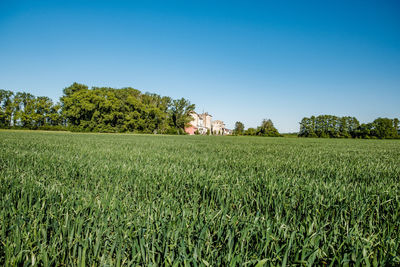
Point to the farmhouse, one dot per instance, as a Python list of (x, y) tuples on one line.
[(203, 124), (218, 127)]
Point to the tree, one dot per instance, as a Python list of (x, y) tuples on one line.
[(43, 107), (251, 132), (354, 124), (307, 127), (55, 117), (75, 87), (180, 113), (104, 109), (239, 128), (334, 127), (267, 129), (6, 108), (396, 127), (26, 109), (328, 126), (384, 128)]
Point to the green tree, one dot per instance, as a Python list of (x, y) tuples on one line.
[(251, 132), (267, 129), (105, 109), (55, 117), (26, 109), (180, 113), (384, 128), (239, 128), (328, 126), (99, 109), (42, 106), (396, 127), (6, 108), (75, 87), (307, 127)]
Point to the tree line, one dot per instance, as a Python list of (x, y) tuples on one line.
[(266, 128), (329, 126), (105, 109), (27, 111), (98, 109)]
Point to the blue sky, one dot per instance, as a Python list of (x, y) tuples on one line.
[(238, 60)]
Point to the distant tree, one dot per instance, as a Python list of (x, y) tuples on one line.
[(334, 127), (328, 126), (307, 127), (27, 109), (364, 131), (267, 129), (55, 117), (180, 113), (105, 109), (396, 127), (321, 129), (17, 102), (239, 128), (251, 132), (42, 106), (384, 128), (354, 124), (6, 108), (75, 87), (99, 109)]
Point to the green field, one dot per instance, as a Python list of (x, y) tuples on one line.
[(114, 199)]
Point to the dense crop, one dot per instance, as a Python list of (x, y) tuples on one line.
[(70, 199)]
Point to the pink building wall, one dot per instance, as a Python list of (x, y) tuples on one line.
[(190, 130)]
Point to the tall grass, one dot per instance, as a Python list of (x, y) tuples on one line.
[(107, 199)]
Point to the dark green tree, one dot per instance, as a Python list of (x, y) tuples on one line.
[(250, 132), (267, 128), (384, 128), (42, 106), (105, 109), (26, 109), (6, 108), (239, 128), (396, 127), (307, 127), (180, 113)]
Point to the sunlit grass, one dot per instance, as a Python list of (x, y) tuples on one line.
[(69, 199)]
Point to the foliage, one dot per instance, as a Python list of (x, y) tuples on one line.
[(25, 110), (180, 112), (239, 128), (251, 132), (71, 199), (266, 128), (329, 126), (5, 108), (103, 109), (99, 109)]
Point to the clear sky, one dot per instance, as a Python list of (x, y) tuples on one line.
[(238, 60)]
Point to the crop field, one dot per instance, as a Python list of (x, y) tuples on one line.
[(121, 200)]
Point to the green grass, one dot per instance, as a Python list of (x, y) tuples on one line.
[(114, 199)]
